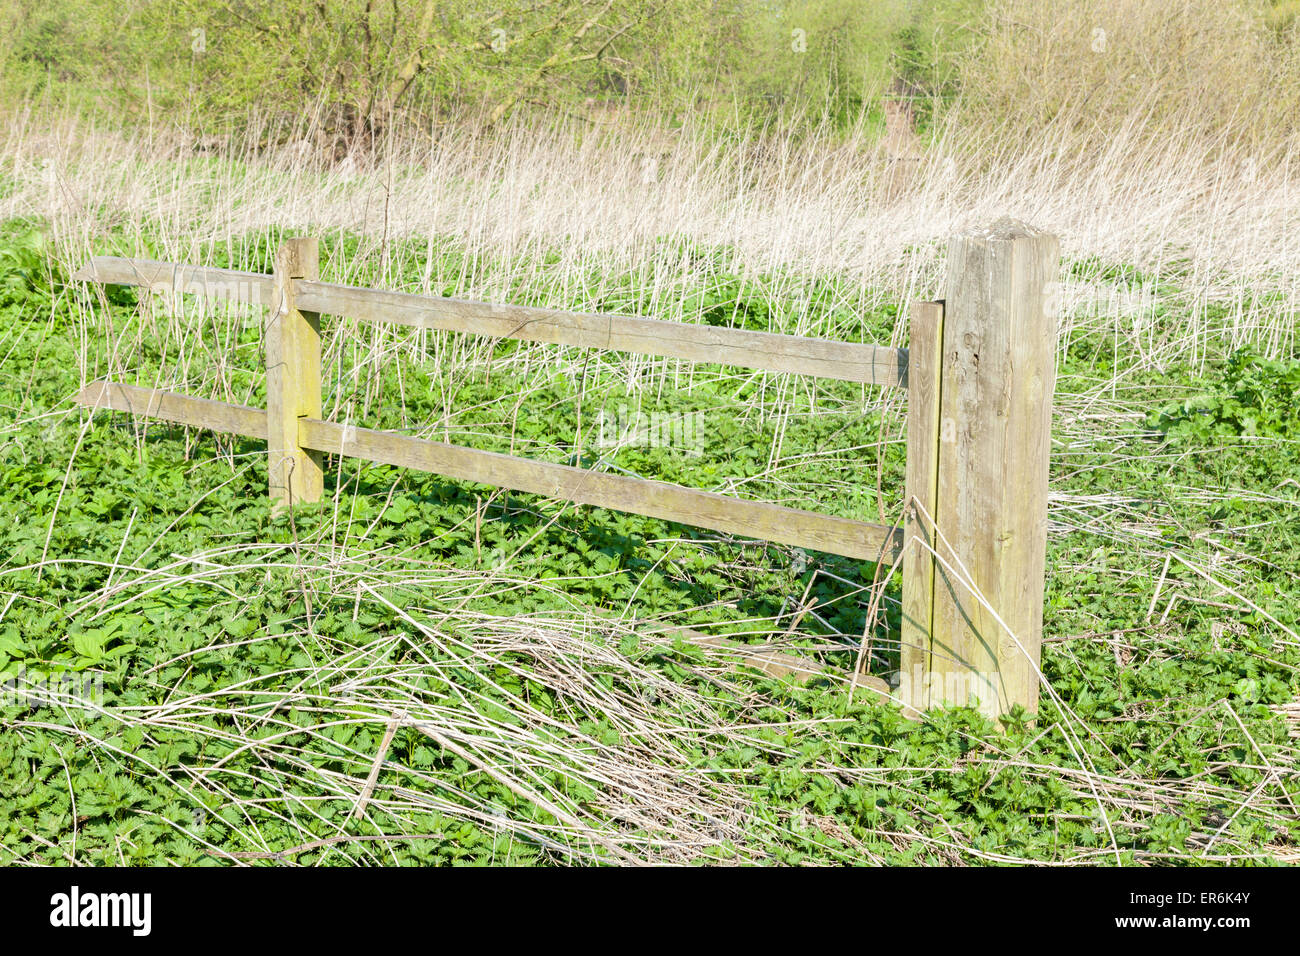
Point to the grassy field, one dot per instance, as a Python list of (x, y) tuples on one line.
[(249, 671)]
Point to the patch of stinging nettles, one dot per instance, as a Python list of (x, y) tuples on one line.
[(1251, 396), (842, 782)]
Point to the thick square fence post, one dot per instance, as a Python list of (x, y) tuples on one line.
[(992, 416)]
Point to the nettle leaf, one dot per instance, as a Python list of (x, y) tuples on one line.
[(91, 643), (239, 627), (400, 511)]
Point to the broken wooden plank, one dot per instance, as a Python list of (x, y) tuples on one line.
[(774, 661)]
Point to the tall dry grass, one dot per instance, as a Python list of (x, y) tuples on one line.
[(565, 209)]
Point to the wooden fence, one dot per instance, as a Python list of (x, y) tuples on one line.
[(979, 375)]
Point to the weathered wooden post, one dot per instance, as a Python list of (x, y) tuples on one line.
[(292, 379), (973, 616), (924, 357)]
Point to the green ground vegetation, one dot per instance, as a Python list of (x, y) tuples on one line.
[(224, 638)]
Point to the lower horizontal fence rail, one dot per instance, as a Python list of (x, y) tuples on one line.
[(172, 407), (655, 499)]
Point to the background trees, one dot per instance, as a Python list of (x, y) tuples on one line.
[(360, 62), (355, 67)]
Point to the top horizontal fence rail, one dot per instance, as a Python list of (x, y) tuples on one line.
[(765, 351)]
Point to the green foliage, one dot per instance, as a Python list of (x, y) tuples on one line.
[(354, 64), (26, 269), (153, 565), (926, 52), (1252, 397)]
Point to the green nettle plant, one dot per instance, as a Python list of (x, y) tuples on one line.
[(1253, 397), (237, 673)]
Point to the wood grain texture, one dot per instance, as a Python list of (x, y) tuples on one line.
[(766, 351), (923, 400), (171, 407), (756, 519), (252, 288), (294, 473), (998, 375), (656, 499), (825, 358)]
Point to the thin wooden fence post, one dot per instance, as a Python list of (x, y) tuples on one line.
[(923, 398), (294, 473), (997, 376)]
